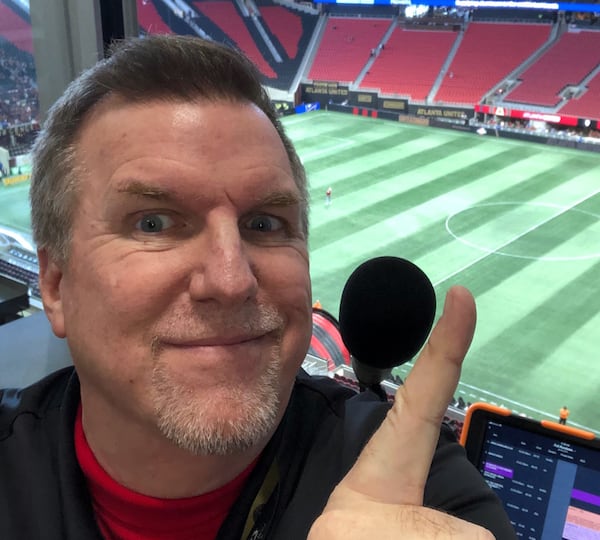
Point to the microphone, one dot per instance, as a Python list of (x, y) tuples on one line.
[(386, 313)]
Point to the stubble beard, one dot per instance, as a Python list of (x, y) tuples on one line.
[(229, 420), (205, 424)]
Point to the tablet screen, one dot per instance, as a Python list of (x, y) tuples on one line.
[(548, 481)]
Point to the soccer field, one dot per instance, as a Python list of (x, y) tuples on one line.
[(517, 223)]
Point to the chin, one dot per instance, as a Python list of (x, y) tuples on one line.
[(222, 420)]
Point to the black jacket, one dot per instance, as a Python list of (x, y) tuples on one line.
[(43, 492)]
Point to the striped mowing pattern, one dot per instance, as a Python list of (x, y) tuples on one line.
[(517, 223)]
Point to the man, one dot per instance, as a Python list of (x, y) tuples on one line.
[(170, 213), (563, 415)]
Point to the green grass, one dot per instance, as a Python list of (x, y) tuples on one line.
[(517, 223)]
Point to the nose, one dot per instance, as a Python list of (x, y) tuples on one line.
[(223, 271)]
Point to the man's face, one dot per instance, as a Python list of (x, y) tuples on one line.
[(186, 298)]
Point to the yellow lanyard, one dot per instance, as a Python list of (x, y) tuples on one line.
[(266, 489)]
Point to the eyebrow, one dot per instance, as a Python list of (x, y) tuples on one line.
[(141, 189), (280, 198)]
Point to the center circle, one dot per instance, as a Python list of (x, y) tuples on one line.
[(528, 230)]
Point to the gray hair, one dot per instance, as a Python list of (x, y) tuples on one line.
[(176, 68)]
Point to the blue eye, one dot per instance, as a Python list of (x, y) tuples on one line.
[(154, 223), (265, 224)]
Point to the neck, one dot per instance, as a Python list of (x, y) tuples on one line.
[(140, 458)]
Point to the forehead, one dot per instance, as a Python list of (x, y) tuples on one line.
[(211, 119), (179, 140)]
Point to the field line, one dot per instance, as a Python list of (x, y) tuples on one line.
[(501, 400), (510, 241)]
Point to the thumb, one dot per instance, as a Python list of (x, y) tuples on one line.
[(394, 465)]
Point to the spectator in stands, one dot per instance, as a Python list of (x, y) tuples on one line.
[(18, 89), (170, 213)]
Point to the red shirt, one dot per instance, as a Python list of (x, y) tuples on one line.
[(127, 515)]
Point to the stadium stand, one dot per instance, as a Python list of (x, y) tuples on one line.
[(378, 11), (150, 20), (225, 15), (487, 54), (443, 57), (588, 102), (455, 60), (574, 56), (19, 104), (410, 62), (285, 25), (326, 342), (15, 28), (346, 47), (18, 139), (290, 31), (513, 15)]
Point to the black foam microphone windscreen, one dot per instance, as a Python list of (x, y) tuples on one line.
[(386, 312)]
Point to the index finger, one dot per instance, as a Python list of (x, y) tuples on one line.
[(394, 465)]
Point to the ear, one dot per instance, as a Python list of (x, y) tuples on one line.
[(51, 274)]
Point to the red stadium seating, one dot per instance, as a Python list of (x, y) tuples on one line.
[(487, 54), (14, 29), (588, 105), (345, 48), (410, 62), (226, 17), (285, 25), (150, 20), (567, 62), (326, 341)]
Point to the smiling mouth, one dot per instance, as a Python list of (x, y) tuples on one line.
[(216, 341)]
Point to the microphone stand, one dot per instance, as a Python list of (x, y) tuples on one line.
[(369, 378)]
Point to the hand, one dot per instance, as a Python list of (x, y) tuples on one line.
[(381, 497)]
